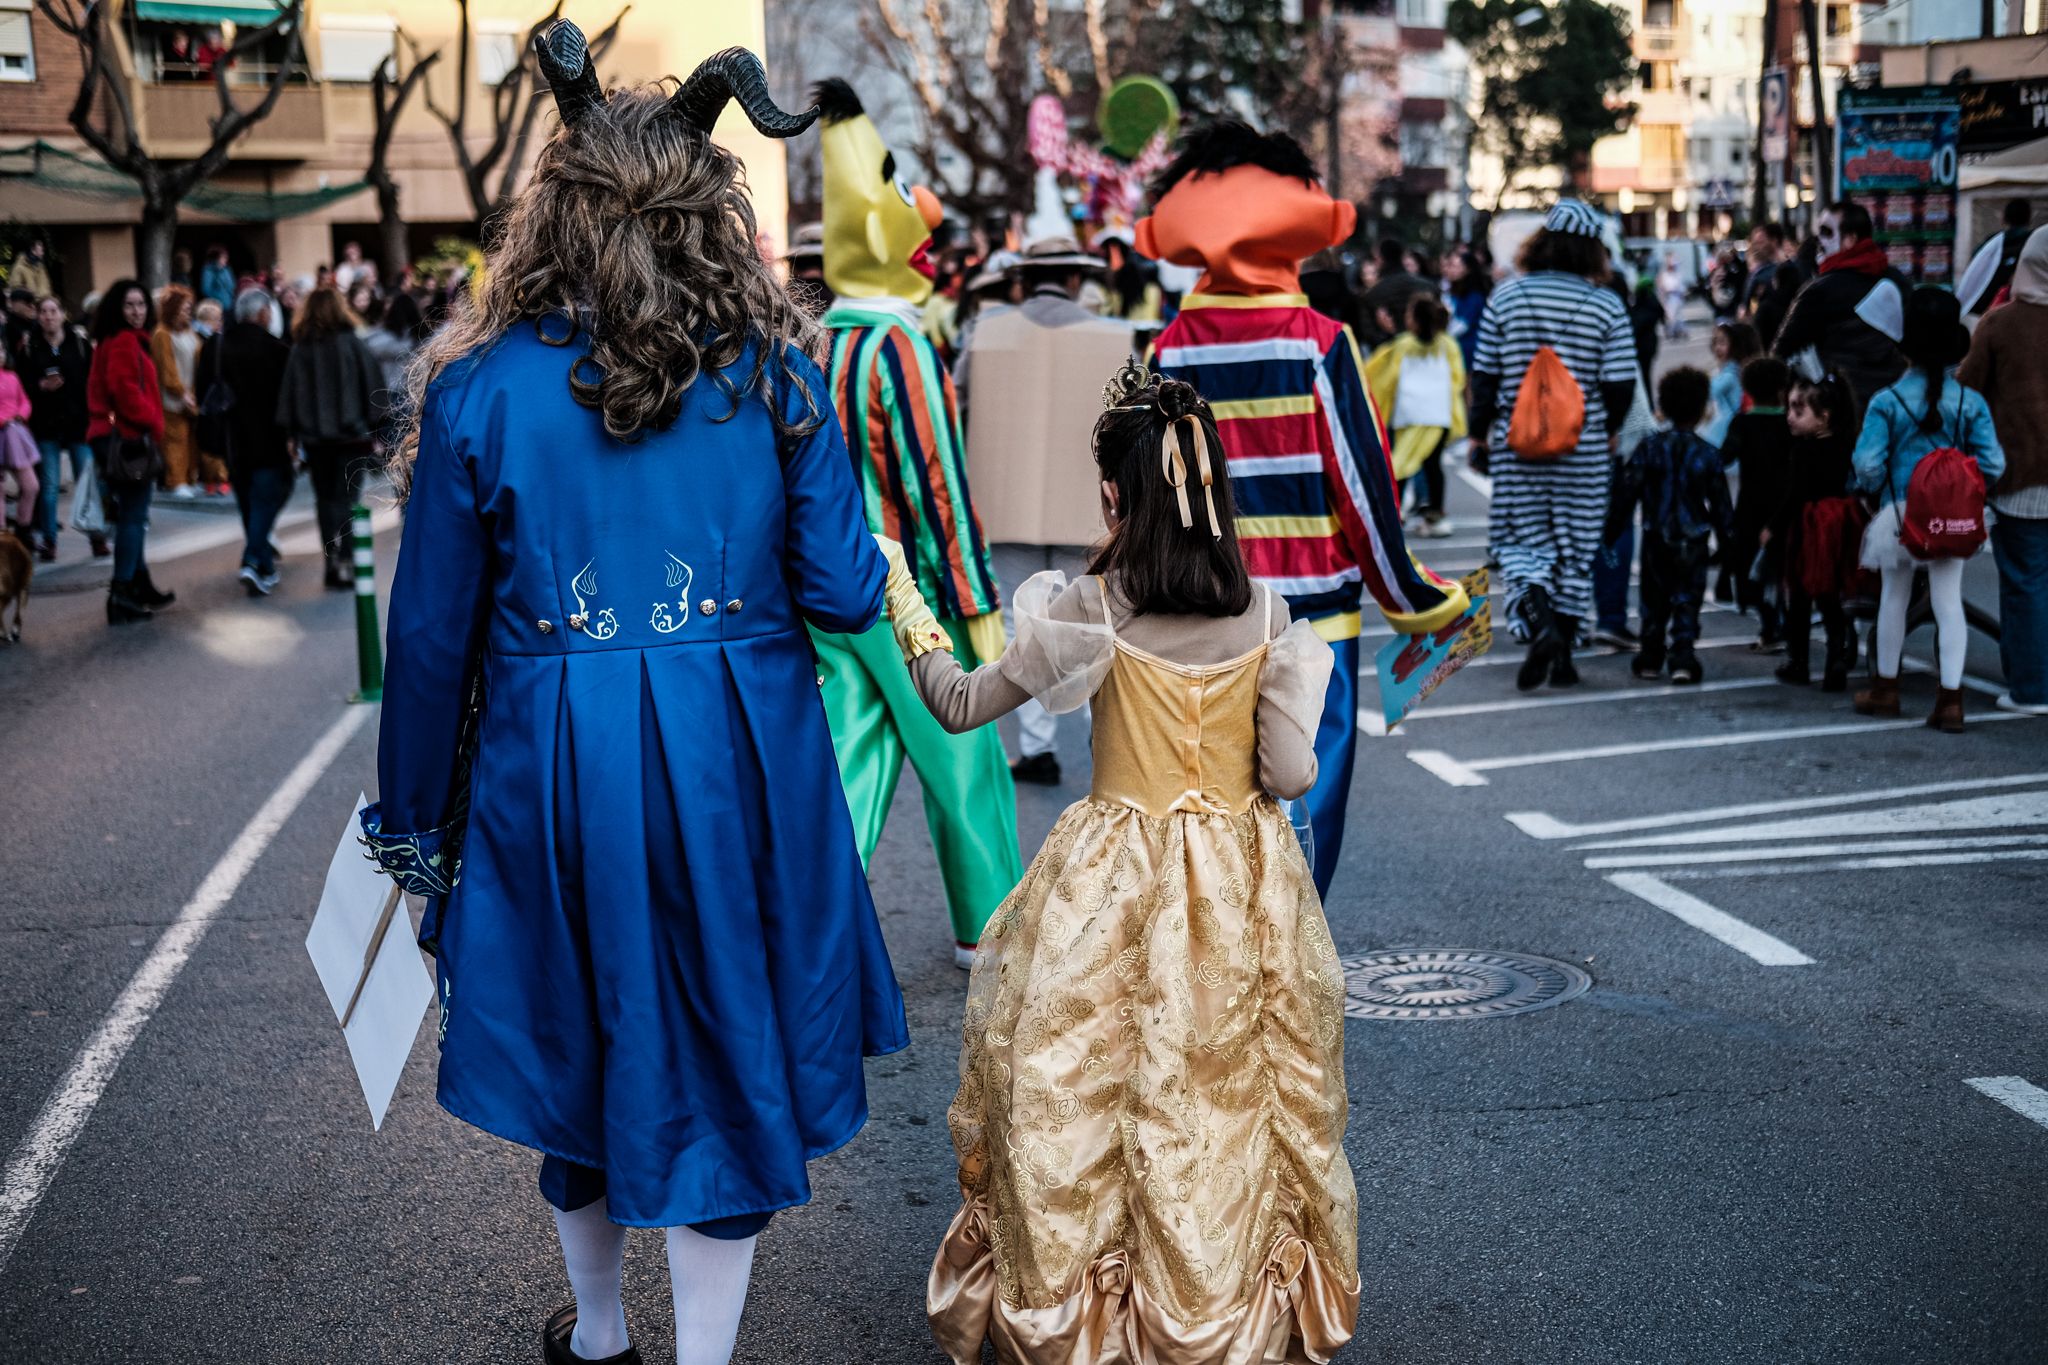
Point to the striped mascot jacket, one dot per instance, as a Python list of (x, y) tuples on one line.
[(896, 403), (1318, 510)]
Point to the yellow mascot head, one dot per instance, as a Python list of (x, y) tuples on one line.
[(878, 230)]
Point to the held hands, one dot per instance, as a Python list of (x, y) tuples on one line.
[(917, 630)]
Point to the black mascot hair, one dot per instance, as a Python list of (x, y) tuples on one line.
[(835, 100), (1227, 142)]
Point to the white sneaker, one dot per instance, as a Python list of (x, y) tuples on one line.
[(249, 579), (963, 956), (1440, 529), (267, 584), (2006, 702), (185, 492)]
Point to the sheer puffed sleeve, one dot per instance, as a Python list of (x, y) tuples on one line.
[(1292, 684), (1060, 656), (1064, 641)]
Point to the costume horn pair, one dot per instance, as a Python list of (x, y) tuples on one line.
[(565, 63)]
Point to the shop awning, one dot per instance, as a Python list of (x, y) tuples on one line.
[(85, 176), (244, 13)]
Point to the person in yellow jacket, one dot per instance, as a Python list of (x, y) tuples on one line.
[(1418, 380)]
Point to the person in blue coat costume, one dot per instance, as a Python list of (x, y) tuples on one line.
[(603, 751)]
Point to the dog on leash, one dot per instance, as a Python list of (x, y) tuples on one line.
[(17, 569)]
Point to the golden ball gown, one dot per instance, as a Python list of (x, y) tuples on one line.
[(1151, 1109)]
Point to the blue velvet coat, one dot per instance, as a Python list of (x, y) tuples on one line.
[(659, 956)]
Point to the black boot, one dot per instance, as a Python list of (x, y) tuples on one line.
[(147, 593), (1797, 668), (122, 606), (1536, 614), (1563, 672), (1841, 659), (555, 1348)]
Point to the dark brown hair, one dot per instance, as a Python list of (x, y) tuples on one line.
[(1159, 565), (107, 319), (325, 313), (1574, 253), (1426, 317)]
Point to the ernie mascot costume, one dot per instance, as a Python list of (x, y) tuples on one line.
[(902, 424), (1319, 512)]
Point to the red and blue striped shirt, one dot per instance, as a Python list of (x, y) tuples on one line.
[(1318, 509)]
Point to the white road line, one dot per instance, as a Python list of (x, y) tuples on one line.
[(35, 1162), (1743, 938), (1970, 680), (1474, 479), (2008, 811), (1494, 658), (1540, 825), (1373, 722), (1878, 864), (1487, 765), (2026, 1100), (1703, 858), (1446, 767)]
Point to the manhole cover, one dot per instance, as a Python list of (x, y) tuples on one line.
[(1455, 983)]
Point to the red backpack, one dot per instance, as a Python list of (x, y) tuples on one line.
[(1944, 513)]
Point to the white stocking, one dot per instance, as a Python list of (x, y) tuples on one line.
[(594, 1252), (1891, 619), (1952, 634), (709, 1280)]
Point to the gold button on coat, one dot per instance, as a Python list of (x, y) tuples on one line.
[(732, 606), (545, 627), (707, 608)]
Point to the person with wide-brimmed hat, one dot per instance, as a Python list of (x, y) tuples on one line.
[(1923, 411), (1047, 511)]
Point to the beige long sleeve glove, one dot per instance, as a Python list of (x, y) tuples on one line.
[(917, 630)]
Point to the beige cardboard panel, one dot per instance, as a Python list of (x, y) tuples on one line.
[(1037, 393)]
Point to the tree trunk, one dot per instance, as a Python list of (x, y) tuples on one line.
[(1823, 180), (155, 239), (395, 248)]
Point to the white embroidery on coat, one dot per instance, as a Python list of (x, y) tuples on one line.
[(679, 575), (600, 627)]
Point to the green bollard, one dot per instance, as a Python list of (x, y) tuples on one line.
[(369, 651)]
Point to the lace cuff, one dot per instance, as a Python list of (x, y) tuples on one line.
[(427, 864), (1061, 663), (1296, 676)]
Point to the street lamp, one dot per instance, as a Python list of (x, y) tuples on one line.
[(1626, 200)]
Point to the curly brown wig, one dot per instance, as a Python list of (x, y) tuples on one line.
[(638, 226)]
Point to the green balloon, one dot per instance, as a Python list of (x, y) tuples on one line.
[(1134, 111)]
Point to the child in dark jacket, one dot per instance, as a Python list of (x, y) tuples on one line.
[(1758, 444), (1675, 476), (1819, 528)]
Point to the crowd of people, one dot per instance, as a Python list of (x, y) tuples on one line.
[(215, 385)]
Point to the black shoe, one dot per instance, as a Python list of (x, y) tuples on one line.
[(1563, 672), (122, 607), (1648, 664), (1841, 662), (1041, 769), (1617, 638), (1685, 666), (100, 548), (554, 1343), (1794, 672), (1543, 640), (46, 549), (147, 592)]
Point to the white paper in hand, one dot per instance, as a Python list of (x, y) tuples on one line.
[(381, 990)]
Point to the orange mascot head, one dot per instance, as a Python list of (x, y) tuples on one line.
[(1246, 207)]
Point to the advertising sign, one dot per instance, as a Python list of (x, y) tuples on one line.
[(1896, 152), (2001, 114), (1777, 115)]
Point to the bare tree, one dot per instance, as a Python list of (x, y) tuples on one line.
[(103, 116), (388, 97), (974, 66), (515, 108)]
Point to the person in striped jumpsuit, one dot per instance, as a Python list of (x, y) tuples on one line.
[(896, 402), (1546, 517), (1319, 512)]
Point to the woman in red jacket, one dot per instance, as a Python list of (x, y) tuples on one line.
[(124, 404)]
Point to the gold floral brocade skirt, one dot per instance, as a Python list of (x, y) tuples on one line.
[(1151, 1111)]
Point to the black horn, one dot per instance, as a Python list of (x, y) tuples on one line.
[(564, 56), (736, 74)]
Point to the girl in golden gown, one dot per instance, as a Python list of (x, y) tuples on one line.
[(1151, 1110)]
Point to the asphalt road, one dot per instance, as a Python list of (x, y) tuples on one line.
[(1703, 1159)]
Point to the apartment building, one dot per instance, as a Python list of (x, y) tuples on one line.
[(1425, 104), (287, 193)]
